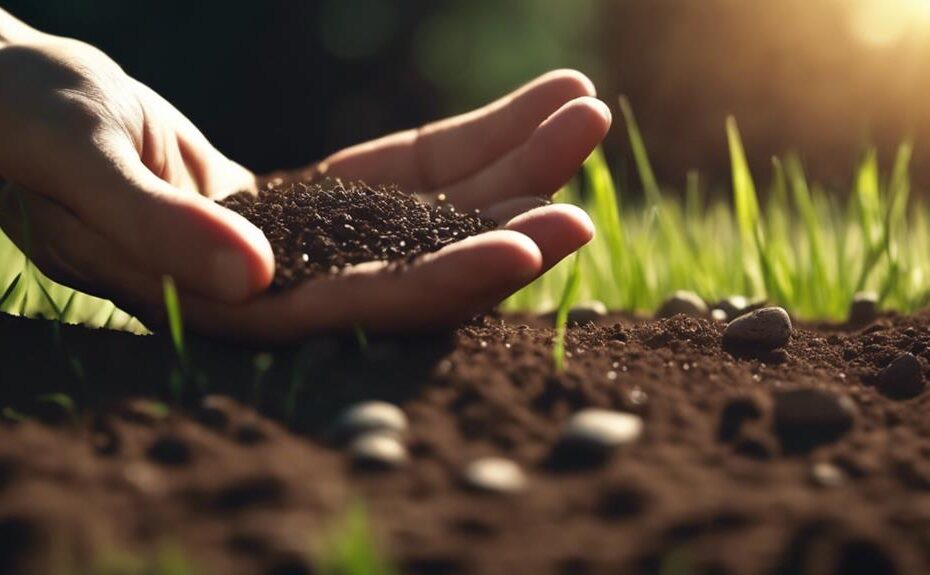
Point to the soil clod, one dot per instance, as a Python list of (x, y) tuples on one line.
[(903, 378), (807, 418)]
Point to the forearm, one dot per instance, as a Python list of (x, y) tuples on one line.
[(14, 31)]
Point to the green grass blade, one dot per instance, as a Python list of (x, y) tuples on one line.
[(8, 292), (175, 321), (569, 295), (640, 154)]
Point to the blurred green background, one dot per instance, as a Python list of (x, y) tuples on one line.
[(280, 83)]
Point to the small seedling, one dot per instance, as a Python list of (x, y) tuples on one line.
[(349, 547), (63, 401), (569, 295), (180, 376), (261, 363), (361, 338)]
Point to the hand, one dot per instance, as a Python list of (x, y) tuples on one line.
[(110, 187), (500, 159)]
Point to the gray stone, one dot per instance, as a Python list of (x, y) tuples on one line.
[(370, 416), (588, 311), (767, 328), (903, 378), (377, 450), (495, 475), (732, 306), (602, 428), (827, 475), (864, 308), (683, 302)]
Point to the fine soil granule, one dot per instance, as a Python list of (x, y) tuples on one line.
[(321, 227)]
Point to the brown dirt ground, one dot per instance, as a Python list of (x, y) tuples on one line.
[(244, 486)]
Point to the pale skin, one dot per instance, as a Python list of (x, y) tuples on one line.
[(118, 190)]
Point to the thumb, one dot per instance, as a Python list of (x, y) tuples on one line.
[(209, 250)]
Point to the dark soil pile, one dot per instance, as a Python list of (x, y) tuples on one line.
[(320, 227), (795, 461)]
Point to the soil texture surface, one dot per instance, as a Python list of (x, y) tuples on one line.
[(318, 227), (800, 460)]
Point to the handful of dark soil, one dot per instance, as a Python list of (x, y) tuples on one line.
[(318, 228)]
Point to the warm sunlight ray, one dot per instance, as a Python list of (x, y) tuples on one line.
[(881, 22)]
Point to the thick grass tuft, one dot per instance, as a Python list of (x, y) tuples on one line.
[(794, 243)]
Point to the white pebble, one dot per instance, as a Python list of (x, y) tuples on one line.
[(495, 475), (602, 428), (378, 450), (371, 416)]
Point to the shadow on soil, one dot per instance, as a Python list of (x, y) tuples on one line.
[(304, 386)]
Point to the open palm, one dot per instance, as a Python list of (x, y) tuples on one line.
[(500, 159), (109, 188)]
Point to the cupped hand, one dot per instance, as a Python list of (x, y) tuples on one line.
[(110, 188)]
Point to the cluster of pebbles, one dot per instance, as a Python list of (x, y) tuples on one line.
[(801, 419), (863, 309), (373, 432)]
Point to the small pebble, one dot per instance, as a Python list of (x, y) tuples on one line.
[(864, 308), (768, 328), (806, 418), (371, 416), (903, 378), (602, 428), (495, 475), (827, 475), (719, 315), (732, 306), (585, 312), (377, 450), (683, 302)]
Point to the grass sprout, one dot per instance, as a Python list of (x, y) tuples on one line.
[(348, 548), (790, 241), (569, 295)]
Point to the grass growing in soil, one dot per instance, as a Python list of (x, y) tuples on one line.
[(798, 245)]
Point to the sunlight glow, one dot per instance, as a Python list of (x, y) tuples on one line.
[(882, 22)]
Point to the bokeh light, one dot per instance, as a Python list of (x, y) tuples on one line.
[(883, 22)]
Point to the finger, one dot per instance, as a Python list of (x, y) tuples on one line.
[(208, 249), (444, 152), (505, 211), (558, 230), (69, 252), (542, 164), (438, 290)]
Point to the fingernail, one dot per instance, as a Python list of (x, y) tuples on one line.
[(230, 276)]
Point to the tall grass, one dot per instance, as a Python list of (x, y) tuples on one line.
[(795, 243), (790, 241)]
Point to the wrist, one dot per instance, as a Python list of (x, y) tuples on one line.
[(13, 31)]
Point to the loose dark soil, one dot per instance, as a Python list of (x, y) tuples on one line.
[(322, 226), (812, 459), (724, 480)]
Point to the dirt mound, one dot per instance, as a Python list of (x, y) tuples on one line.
[(320, 227)]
